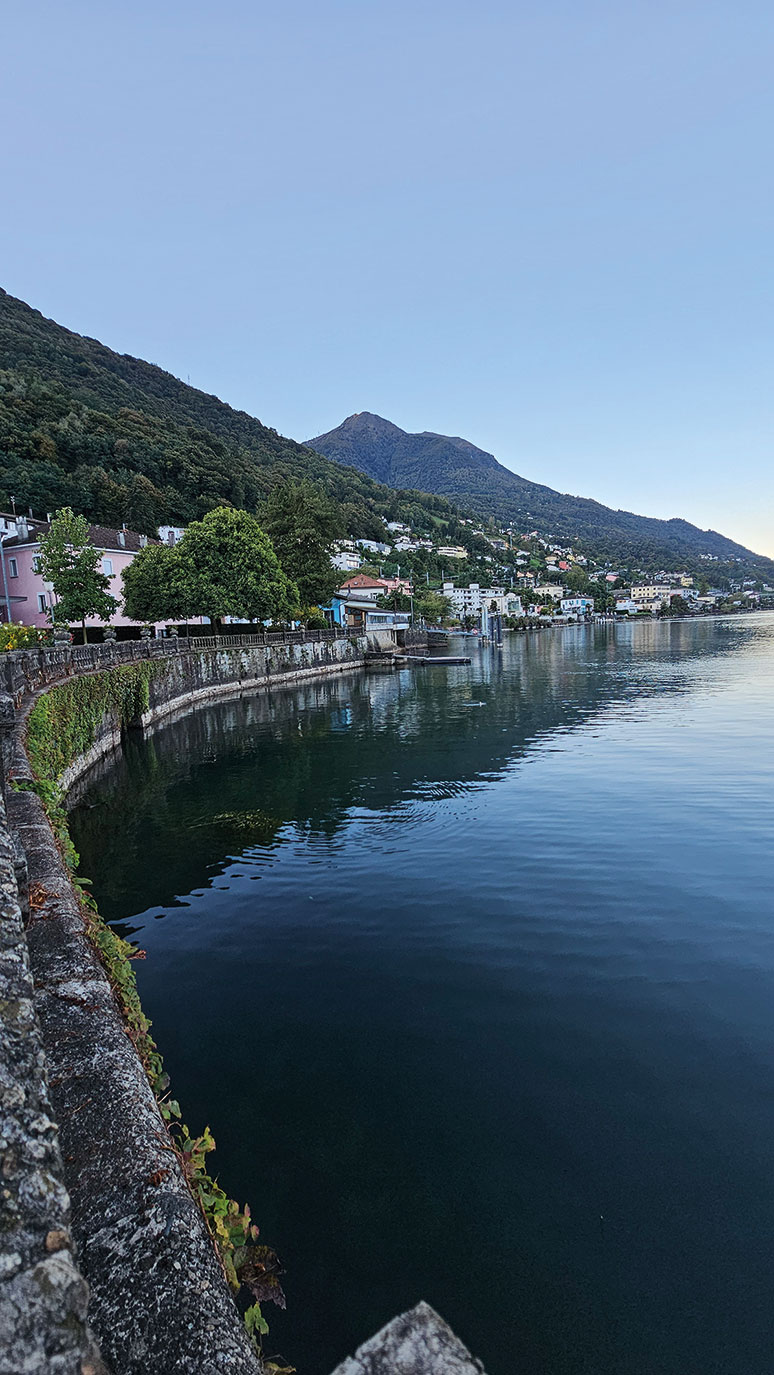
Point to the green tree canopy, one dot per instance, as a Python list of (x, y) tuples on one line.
[(302, 523), (154, 587), (577, 580), (394, 601), (431, 606), (71, 564), (228, 567)]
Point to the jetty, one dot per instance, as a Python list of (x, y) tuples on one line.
[(436, 659)]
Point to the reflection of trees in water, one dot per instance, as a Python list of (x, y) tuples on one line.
[(238, 778)]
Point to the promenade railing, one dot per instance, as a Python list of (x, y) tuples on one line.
[(27, 670)]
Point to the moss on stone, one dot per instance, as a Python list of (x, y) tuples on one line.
[(62, 726)]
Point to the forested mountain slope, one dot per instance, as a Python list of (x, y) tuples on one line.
[(123, 441), (473, 478)]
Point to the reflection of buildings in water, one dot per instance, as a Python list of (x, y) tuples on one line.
[(306, 754)]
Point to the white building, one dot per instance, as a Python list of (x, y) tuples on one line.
[(577, 606), (171, 534), (549, 591), (469, 601), (346, 561), (373, 546)]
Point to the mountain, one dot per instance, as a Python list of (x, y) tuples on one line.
[(455, 468), (123, 441)]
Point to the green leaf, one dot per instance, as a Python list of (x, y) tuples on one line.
[(255, 1321)]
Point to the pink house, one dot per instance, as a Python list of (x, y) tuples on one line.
[(26, 598)]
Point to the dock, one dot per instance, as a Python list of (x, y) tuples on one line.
[(437, 659)]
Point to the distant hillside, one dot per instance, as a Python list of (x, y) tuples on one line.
[(124, 441), (457, 469)]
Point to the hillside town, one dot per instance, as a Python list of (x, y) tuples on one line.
[(523, 579), (407, 578)]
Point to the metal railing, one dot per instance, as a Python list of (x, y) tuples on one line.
[(27, 670)]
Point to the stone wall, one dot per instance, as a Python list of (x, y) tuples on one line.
[(185, 679), (159, 1302), (43, 1296)]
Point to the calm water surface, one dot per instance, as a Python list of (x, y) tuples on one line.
[(471, 971)]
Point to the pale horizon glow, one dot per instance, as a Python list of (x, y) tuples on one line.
[(544, 229)]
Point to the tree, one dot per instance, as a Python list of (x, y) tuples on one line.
[(394, 601), (302, 524), (70, 563), (604, 598), (676, 606), (228, 567), (577, 580), (431, 606), (154, 586), (145, 505)]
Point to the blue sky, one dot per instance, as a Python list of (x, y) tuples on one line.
[(546, 227)]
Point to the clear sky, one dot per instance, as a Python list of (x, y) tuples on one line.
[(547, 227)]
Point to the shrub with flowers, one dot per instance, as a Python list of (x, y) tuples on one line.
[(16, 636)]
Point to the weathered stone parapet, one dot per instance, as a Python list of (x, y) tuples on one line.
[(43, 1295), (27, 670), (182, 679), (159, 1301), (415, 1343)]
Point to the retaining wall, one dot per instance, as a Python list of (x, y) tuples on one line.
[(43, 1296)]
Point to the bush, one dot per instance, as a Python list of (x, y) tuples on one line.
[(315, 619), (16, 636)]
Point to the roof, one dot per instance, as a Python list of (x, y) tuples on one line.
[(101, 536), (363, 580)]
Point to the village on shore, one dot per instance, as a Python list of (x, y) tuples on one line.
[(532, 581), (408, 578)]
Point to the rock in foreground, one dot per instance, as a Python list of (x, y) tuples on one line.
[(415, 1343)]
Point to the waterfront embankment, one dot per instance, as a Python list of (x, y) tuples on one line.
[(105, 1248)]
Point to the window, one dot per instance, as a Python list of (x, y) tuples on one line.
[(36, 564), (107, 567), (42, 602), (13, 568)]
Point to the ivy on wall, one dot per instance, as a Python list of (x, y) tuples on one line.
[(64, 724), (66, 721)]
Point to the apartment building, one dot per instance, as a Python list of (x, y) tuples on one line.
[(24, 595), (470, 601), (549, 592), (650, 596), (577, 606)]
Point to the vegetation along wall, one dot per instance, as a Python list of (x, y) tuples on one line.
[(158, 1240)]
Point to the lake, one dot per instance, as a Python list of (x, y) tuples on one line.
[(471, 972)]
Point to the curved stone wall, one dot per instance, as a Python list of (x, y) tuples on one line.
[(128, 1249), (159, 1302)]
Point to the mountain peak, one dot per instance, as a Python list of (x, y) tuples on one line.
[(453, 467), (368, 420)]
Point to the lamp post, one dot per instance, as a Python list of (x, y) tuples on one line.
[(5, 579)]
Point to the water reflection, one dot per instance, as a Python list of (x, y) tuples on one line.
[(477, 999), (303, 758)]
